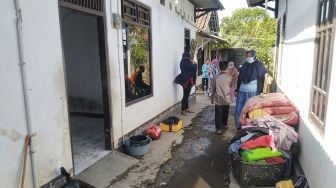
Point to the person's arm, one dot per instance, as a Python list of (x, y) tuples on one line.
[(213, 88), (260, 82), (238, 84)]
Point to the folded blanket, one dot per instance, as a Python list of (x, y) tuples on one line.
[(283, 135), (272, 104), (261, 141), (258, 154), (289, 119), (254, 114)]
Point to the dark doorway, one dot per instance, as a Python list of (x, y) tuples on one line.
[(84, 50), (200, 60)]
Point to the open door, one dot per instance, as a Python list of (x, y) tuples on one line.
[(84, 51)]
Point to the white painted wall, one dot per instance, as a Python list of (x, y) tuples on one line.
[(46, 84), (12, 116), (45, 80), (183, 8), (167, 48), (46, 93), (318, 155), (82, 61)]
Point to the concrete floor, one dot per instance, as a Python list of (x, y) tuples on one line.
[(202, 160), (88, 142), (194, 158)]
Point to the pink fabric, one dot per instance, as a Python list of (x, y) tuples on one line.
[(261, 141), (274, 104), (282, 134), (215, 62), (289, 119)]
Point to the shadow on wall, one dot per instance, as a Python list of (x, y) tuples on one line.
[(315, 156), (176, 71)]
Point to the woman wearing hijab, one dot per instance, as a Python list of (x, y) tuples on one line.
[(233, 72), (213, 70), (250, 82), (187, 79)]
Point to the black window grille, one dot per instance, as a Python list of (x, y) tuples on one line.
[(135, 12), (90, 6)]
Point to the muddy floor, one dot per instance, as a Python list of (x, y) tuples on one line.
[(202, 159)]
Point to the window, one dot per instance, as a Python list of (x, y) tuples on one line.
[(163, 2), (136, 34), (323, 60), (186, 40)]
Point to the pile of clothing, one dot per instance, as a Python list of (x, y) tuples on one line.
[(274, 104), (266, 140)]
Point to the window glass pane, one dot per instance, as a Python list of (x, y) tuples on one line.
[(314, 102), (324, 106), (137, 62), (321, 12), (327, 12)]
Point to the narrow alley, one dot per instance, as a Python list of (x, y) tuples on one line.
[(202, 160), (88, 86), (194, 157)]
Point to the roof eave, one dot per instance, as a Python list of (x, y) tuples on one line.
[(209, 35)]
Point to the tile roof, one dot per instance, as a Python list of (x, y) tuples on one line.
[(203, 21)]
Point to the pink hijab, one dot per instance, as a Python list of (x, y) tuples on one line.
[(215, 62)]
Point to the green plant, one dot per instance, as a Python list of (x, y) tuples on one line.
[(251, 28)]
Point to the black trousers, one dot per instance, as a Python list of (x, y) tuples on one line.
[(221, 116), (205, 83), (186, 93)]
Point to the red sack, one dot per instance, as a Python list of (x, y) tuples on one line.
[(154, 132)]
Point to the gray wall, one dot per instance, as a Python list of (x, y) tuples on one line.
[(82, 62)]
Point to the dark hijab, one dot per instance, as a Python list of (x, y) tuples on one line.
[(188, 69), (252, 71)]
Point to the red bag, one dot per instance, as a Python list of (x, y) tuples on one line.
[(154, 132)]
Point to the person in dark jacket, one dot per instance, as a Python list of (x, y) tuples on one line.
[(139, 81), (250, 82), (187, 79)]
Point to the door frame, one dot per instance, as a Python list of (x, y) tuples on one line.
[(104, 68)]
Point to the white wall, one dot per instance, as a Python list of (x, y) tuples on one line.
[(82, 61), (46, 93), (183, 8), (12, 116), (318, 155), (46, 84), (167, 48)]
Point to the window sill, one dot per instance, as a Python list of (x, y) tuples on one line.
[(138, 100)]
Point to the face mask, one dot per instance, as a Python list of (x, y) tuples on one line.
[(250, 59), (230, 66)]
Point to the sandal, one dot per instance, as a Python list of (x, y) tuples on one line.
[(189, 111), (219, 132)]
